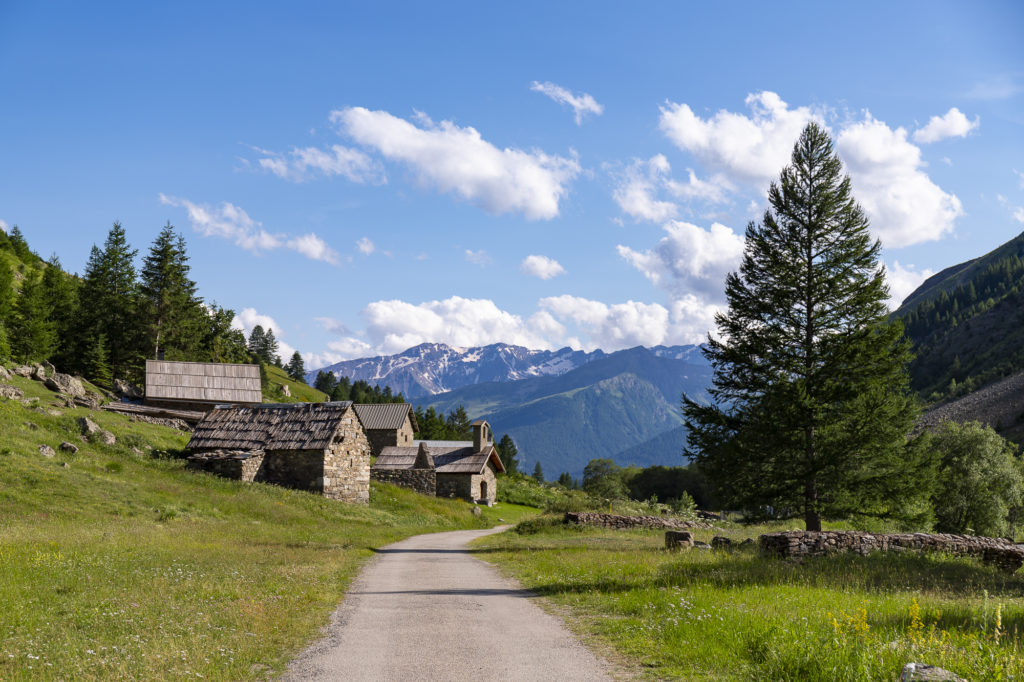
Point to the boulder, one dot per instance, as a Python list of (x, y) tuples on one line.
[(922, 672), (65, 383), (46, 451), (285, 391), (4, 374), (29, 402), (88, 426), (477, 511), (106, 437), (88, 400), (128, 390), (23, 371), (678, 539), (39, 372), (721, 542), (70, 448), (53, 412), (11, 392)]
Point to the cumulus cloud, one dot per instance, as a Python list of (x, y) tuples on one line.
[(542, 266), (952, 124), (904, 205), (1018, 214), (642, 181), (902, 281), (4, 226), (365, 246), (633, 323), (582, 104), (753, 148), (689, 259), (458, 160), (478, 257), (232, 222), (248, 318), (301, 164)]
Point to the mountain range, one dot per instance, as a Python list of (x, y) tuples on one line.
[(562, 408)]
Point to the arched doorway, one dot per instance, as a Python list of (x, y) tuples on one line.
[(483, 491)]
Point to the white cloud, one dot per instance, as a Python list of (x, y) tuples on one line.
[(952, 124), (460, 161), (248, 318), (904, 205), (393, 326), (4, 226), (582, 104), (1020, 176), (1018, 214), (753, 149), (640, 183), (542, 266), (689, 260), (946, 160), (365, 246), (620, 325), (300, 164), (903, 280), (478, 257), (231, 222)]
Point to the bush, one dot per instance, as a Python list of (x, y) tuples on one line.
[(980, 480)]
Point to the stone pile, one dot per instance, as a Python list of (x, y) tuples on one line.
[(796, 544), (619, 522)]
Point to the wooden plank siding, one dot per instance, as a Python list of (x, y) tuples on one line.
[(203, 382)]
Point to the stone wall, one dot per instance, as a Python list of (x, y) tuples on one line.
[(300, 469), (624, 522), (455, 485), (382, 438), (489, 478), (346, 466), (795, 544), (421, 480), (239, 465)]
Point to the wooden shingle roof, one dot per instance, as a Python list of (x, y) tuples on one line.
[(287, 426), (206, 382), (448, 457), (385, 415)]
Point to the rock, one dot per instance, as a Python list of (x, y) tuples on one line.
[(32, 425), (747, 542), (126, 389), (54, 413), (39, 372), (29, 402), (68, 447), (88, 400), (23, 371), (4, 374), (87, 425), (285, 391), (721, 542), (922, 672), (11, 392), (701, 545), (477, 511), (106, 437), (46, 451), (65, 383), (678, 539)]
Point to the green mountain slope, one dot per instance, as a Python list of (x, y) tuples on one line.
[(624, 406), (967, 324)]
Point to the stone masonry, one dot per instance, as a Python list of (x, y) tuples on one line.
[(796, 544), (239, 465), (421, 480), (625, 522)]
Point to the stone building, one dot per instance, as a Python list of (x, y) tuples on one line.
[(466, 469), (319, 447), (387, 424), (201, 385)]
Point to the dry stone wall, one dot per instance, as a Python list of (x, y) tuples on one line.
[(346, 463), (625, 522), (796, 544), (421, 480), (239, 465)]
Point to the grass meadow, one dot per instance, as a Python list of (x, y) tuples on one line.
[(116, 563), (720, 615)]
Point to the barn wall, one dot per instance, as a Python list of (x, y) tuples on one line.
[(346, 468), (455, 485), (382, 438), (421, 480)]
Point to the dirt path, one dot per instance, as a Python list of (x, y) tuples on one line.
[(426, 609)]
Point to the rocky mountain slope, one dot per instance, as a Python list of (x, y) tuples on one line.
[(999, 405)]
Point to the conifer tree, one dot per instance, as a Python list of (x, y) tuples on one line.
[(811, 402), (507, 451), (35, 333), (5, 343), (258, 342), (96, 363), (325, 382), (269, 354), (296, 368), (538, 472), (6, 291), (172, 311), (60, 291)]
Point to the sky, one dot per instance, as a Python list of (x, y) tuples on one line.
[(364, 177)]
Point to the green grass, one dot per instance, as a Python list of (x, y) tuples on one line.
[(300, 391), (123, 565), (716, 615)]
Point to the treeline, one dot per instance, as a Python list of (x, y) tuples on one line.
[(105, 323), (358, 391)]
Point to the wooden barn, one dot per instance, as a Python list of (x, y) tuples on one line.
[(319, 447), (201, 385), (466, 469), (387, 424)]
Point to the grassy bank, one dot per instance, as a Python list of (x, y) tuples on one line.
[(121, 565), (701, 614)]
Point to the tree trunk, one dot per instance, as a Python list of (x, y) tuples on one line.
[(812, 519)]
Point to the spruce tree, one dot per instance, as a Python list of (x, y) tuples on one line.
[(34, 335), (811, 404), (507, 451), (5, 343), (6, 291), (258, 342), (60, 291), (538, 472), (172, 312), (296, 368), (325, 382), (269, 354), (458, 424), (96, 362)]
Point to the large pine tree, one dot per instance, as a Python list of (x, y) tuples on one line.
[(172, 311), (34, 336), (811, 402)]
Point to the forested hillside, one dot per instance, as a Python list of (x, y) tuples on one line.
[(104, 323), (967, 324)]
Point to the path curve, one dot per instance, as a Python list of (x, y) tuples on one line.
[(426, 609)]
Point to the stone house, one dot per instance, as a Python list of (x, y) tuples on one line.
[(201, 385), (319, 447), (466, 469), (387, 424)]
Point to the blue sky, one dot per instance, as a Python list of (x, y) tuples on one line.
[(364, 178)]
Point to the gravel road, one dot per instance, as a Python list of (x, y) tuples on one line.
[(426, 609)]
